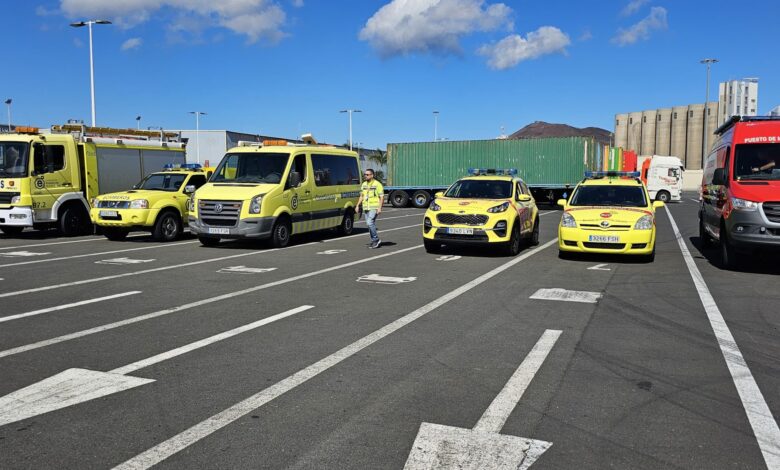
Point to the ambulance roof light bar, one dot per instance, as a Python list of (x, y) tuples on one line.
[(611, 174), (182, 166), (493, 171)]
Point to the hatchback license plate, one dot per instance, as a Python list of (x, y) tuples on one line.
[(604, 239), (460, 231), (109, 213), (219, 231)]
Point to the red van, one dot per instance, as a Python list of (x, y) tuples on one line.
[(740, 203)]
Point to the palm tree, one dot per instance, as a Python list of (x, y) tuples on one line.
[(380, 158)]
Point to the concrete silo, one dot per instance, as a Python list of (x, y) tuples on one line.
[(695, 140), (679, 132), (647, 146), (634, 140), (712, 124), (621, 130), (663, 132)]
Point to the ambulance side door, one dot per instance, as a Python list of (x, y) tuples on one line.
[(300, 195), (525, 208), (51, 178)]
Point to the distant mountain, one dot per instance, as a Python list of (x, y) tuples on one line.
[(546, 129)]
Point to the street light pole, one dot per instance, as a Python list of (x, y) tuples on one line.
[(435, 126), (197, 114), (8, 103), (91, 60), (138, 122), (705, 149), (350, 111)]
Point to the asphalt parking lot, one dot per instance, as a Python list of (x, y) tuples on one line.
[(327, 354)]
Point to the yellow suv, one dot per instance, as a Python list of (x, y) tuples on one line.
[(491, 207), (608, 213), (158, 204)]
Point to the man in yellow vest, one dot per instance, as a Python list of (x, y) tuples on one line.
[(372, 195)]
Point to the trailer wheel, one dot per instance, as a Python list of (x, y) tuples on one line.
[(421, 199), (73, 221), (663, 196), (399, 198)]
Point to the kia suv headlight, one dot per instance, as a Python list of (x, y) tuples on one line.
[(434, 207), (499, 208), (644, 223), (255, 203), (568, 221), (743, 204), (139, 204)]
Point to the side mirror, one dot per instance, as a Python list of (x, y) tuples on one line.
[(562, 202), (189, 189), (658, 204), (524, 198), (439, 194), (719, 177), (295, 179)]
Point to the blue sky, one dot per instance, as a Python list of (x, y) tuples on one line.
[(283, 67)]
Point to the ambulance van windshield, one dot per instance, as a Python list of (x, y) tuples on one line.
[(253, 167), (757, 162)]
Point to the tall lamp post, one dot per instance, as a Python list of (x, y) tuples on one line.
[(8, 104), (705, 149), (197, 114), (350, 111), (435, 126), (91, 60), (138, 122)]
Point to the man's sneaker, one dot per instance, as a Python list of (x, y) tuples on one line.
[(378, 242)]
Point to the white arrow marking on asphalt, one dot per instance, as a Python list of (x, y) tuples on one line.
[(483, 448), (22, 254), (245, 270), (124, 261), (63, 307), (331, 252), (75, 386), (379, 279), (564, 295), (448, 258), (600, 267)]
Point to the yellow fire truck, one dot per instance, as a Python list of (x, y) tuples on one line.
[(47, 180)]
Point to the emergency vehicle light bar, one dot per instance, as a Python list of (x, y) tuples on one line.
[(611, 174), (493, 171)]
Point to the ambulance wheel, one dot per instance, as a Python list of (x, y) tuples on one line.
[(115, 234), (728, 255), (512, 248), (280, 235), (73, 221), (11, 230), (347, 223), (421, 199), (208, 241), (399, 198), (565, 255), (663, 196), (533, 240), (431, 246), (167, 228), (705, 239)]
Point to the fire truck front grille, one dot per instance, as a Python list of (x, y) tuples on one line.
[(5, 198), (220, 213)]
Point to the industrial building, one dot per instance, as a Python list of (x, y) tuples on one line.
[(737, 98)]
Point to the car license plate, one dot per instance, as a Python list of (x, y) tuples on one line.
[(109, 214), (219, 231), (460, 231), (603, 238)]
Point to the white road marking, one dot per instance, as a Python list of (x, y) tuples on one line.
[(21, 254), (564, 295), (760, 416), (74, 386), (448, 258), (199, 303), (121, 261), (696, 201), (218, 421), (331, 252), (244, 270), (443, 447), (379, 279), (182, 265), (34, 245), (87, 255), (600, 267), (380, 218), (66, 306)]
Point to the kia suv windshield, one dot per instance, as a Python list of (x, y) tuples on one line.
[(14, 157), (251, 168), (627, 196), (162, 182), (481, 189), (757, 162)]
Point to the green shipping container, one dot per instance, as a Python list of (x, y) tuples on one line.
[(544, 162)]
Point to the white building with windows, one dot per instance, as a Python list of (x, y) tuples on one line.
[(775, 111), (737, 98)]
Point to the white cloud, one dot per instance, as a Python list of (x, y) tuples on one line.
[(78, 42), (656, 20), (132, 43), (297, 3), (633, 7), (514, 49), (431, 26), (586, 36), (255, 19)]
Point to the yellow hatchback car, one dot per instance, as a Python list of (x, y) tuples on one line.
[(159, 204), (493, 208), (608, 213)]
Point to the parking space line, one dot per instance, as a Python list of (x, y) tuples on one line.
[(218, 421), (87, 255), (760, 416), (33, 245), (66, 306), (182, 265), (199, 303)]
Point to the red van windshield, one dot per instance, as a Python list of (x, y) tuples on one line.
[(757, 162)]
